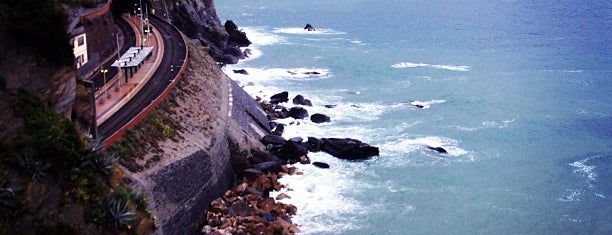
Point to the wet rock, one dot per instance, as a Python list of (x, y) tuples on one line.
[(279, 98), (321, 165), (300, 100), (270, 166), (330, 106), (319, 118), (241, 71), (282, 196), (314, 144), (298, 113), (279, 129), (273, 139), (309, 27), (437, 149), (236, 36), (350, 149), (312, 73)]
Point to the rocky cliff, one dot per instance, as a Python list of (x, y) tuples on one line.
[(198, 20)]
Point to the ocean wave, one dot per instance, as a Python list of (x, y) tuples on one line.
[(426, 104), (298, 30), (271, 74), (406, 145), (316, 198), (259, 37), (460, 68), (486, 125), (570, 195), (588, 171)]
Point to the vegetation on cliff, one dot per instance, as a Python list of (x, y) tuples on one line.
[(53, 182)]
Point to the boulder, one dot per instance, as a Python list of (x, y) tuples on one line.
[(236, 36), (270, 166), (280, 128), (330, 106), (350, 149), (300, 100), (298, 113), (273, 139), (312, 73), (279, 98), (292, 150), (251, 173), (321, 165), (309, 27), (314, 144), (437, 149), (319, 118), (259, 156), (241, 71)]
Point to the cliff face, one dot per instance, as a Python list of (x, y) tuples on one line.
[(198, 20), (22, 67)]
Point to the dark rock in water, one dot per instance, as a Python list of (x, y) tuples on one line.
[(304, 160), (319, 118), (279, 98), (419, 106), (321, 165), (280, 128), (273, 139), (314, 144), (330, 106), (437, 149), (236, 36), (298, 113), (271, 166), (350, 149), (296, 139), (300, 100), (312, 73), (292, 151), (309, 27), (241, 71), (247, 52), (251, 173)]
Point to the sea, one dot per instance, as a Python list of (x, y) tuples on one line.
[(519, 93)]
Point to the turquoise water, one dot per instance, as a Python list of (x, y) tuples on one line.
[(518, 92)]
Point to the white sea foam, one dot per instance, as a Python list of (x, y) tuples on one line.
[(486, 125), (581, 167), (316, 198), (407, 145), (259, 37), (461, 68), (298, 30), (570, 195)]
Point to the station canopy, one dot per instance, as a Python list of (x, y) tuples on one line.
[(133, 57)]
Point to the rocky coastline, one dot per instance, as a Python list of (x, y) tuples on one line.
[(248, 207)]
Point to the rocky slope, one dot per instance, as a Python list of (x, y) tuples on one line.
[(198, 20)]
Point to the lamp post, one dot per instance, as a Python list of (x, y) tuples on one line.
[(118, 63), (141, 26), (104, 71)]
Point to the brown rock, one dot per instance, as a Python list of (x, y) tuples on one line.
[(282, 196)]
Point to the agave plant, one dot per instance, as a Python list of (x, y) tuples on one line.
[(35, 168), (120, 212), (8, 199)]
